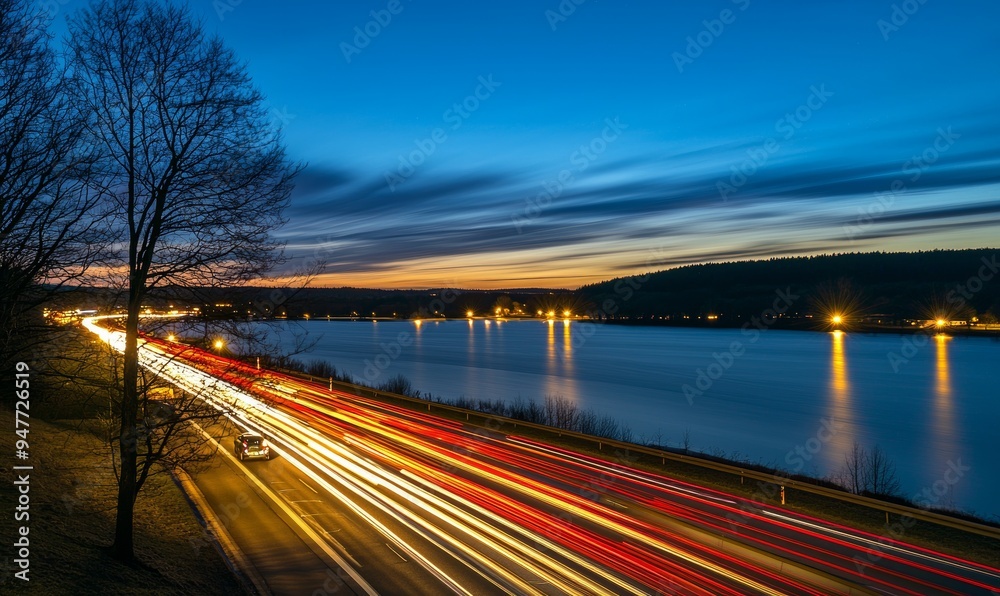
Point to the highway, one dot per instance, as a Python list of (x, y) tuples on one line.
[(414, 503)]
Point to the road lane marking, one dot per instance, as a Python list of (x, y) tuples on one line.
[(389, 546), (318, 540), (341, 548)]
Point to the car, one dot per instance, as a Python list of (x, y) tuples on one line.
[(251, 445)]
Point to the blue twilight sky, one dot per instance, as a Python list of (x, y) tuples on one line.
[(611, 138)]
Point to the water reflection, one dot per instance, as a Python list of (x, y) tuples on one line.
[(943, 421), (943, 376), (417, 326), (561, 379), (550, 347), (841, 408), (838, 365), (567, 344)]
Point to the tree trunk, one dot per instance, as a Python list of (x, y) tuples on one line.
[(123, 548)]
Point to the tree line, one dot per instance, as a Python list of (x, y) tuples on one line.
[(886, 287), (953, 284)]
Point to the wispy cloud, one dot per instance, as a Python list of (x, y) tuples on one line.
[(620, 209)]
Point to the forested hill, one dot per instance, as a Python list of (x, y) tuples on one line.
[(949, 283)]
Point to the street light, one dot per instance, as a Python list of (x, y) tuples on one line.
[(837, 319), (469, 313), (218, 345)]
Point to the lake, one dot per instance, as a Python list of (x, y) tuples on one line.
[(790, 399)]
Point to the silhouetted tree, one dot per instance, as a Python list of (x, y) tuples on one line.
[(869, 471), (851, 474), (190, 170), (399, 385), (44, 220), (880, 473)]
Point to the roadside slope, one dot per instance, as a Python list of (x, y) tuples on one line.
[(72, 520)]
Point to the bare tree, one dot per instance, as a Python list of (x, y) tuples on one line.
[(869, 471), (852, 474), (45, 223), (560, 412), (192, 173), (880, 473)]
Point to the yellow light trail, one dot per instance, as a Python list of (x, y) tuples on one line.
[(362, 477)]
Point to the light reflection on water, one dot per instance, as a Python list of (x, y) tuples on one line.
[(841, 411), (939, 406), (942, 419)]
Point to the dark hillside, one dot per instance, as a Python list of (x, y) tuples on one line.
[(895, 286)]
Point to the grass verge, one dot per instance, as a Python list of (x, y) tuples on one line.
[(73, 492)]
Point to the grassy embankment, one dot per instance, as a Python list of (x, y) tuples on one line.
[(72, 494)]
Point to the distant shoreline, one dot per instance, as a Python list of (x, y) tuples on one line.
[(991, 331)]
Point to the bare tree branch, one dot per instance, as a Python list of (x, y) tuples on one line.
[(192, 174), (47, 234)]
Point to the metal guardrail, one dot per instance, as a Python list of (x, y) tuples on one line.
[(775, 479)]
